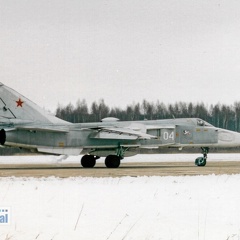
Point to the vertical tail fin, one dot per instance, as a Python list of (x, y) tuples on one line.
[(14, 106)]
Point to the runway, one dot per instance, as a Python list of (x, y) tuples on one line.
[(126, 169)]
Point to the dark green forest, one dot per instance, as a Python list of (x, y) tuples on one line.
[(219, 115)]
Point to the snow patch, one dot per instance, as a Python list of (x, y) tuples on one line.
[(185, 207), (200, 207)]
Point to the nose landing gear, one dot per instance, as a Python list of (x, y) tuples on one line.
[(201, 161)]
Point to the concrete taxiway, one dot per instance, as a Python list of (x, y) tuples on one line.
[(126, 169)]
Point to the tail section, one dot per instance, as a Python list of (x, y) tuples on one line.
[(15, 107)]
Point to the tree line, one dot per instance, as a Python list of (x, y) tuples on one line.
[(220, 115)]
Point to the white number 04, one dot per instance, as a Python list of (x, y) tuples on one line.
[(167, 135)]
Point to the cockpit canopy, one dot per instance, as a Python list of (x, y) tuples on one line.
[(203, 123)]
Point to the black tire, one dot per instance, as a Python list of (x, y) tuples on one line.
[(2, 136), (200, 161), (88, 161), (112, 161)]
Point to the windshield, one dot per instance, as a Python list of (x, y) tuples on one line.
[(202, 123)]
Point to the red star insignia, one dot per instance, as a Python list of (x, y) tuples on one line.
[(19, 102)]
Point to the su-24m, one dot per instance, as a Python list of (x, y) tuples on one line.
[(25, 125)]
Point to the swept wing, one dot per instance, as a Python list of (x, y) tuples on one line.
[(119, 133)]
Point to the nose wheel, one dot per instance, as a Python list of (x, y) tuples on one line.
[(201, 161)]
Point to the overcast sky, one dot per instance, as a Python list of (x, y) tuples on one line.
[(124, 51)]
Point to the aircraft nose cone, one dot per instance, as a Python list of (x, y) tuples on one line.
[(228, 138)]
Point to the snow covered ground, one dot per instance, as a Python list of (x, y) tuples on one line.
[(181, 208)]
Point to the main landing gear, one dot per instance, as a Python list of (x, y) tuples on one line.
[(111, 161), (88, 161), (201, 161), (2, 136)]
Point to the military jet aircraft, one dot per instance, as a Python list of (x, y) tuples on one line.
[(25, 125)]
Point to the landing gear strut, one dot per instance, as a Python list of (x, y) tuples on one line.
[(201, 161), (113, 161)]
